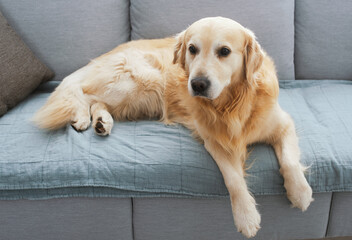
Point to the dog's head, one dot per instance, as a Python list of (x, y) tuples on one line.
[(216, 52)]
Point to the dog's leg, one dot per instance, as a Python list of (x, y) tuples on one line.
[(81, 118), (287, 151), (245, 213), (102, 119)]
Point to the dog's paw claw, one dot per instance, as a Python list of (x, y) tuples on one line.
[(250, 231)]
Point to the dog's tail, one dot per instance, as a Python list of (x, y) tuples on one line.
[(62, 103), (56, 112)]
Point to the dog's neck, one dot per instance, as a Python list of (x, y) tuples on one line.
[(231, 109)]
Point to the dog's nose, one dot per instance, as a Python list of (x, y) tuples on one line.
[(200, 85)]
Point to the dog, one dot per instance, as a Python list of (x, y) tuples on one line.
[(215, 79)]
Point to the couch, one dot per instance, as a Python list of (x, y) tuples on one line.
[(150, 181)]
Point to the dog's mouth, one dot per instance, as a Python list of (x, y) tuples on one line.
[(201, 95)]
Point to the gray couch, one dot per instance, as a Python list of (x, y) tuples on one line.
[(308, 39)]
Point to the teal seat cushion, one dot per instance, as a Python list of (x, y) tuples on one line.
[(146, 158)]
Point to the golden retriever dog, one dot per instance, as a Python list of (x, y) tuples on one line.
[(215, 79)]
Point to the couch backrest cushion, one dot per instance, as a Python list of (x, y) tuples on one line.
[(66, 34), (271, 20), (323, 46)]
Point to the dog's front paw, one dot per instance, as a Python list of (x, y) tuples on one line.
[(247, 218), (300, 194), (103, 125)]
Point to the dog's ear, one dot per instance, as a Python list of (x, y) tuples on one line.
[(253, 56), (180, 49)]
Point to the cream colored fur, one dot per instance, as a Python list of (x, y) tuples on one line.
[(151, 78)]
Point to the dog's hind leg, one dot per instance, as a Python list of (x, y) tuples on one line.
[(80, 104), (102, 119), (81, 119), (67, 104)]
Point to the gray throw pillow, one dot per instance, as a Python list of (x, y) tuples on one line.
[(20, 71)]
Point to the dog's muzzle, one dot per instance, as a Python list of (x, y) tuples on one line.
[(200, 86)]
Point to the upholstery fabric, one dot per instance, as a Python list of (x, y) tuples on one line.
[(67, 219), (146, 158), (323, 43), (20, 71), (67, 34), (272, 22), (208, 219), (340, 215)]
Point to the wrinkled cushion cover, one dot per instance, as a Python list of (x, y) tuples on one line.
[(149, 159), (20, 71), (271, 20)]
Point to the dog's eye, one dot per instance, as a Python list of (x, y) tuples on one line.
[(192, 49), (224, 52)]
